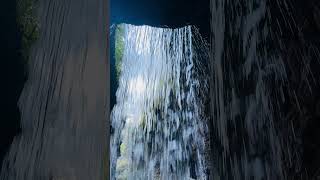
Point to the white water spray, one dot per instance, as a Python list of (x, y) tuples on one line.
[(159, 122)]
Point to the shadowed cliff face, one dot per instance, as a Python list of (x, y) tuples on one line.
[(300, 49), (12, 76), (64, 103), (265, 86)]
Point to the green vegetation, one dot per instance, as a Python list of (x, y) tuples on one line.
[(119, 48), (123, 148), (28, 24)]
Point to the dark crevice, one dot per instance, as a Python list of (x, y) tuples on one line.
[(13, 69)]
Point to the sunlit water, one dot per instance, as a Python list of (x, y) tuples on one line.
[(159, 124)]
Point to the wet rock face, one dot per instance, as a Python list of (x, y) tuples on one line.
[(301, 54)]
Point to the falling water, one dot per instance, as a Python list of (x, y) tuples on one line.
[(159, 122)]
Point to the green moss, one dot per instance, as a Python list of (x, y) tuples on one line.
[(28, 24), (123, 148), (119, 48)]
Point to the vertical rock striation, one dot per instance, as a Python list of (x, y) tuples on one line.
[(264, 79), (64, 104)]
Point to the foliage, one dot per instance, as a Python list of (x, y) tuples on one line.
[(119, 48), (28, 24), (123, 148)]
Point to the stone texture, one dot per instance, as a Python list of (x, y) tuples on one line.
[(64, 103)]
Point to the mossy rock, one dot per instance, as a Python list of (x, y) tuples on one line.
[(28, 25), (119, 48), (123, 148)]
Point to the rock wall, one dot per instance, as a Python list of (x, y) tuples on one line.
[(64, 104)]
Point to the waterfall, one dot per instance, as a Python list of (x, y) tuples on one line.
[(159, 121)]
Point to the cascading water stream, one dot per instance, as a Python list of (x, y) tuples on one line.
[(159, 121)]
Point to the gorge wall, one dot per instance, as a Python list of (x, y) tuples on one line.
[(64, 103)]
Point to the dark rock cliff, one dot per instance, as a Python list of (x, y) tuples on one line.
[(64, 103)]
